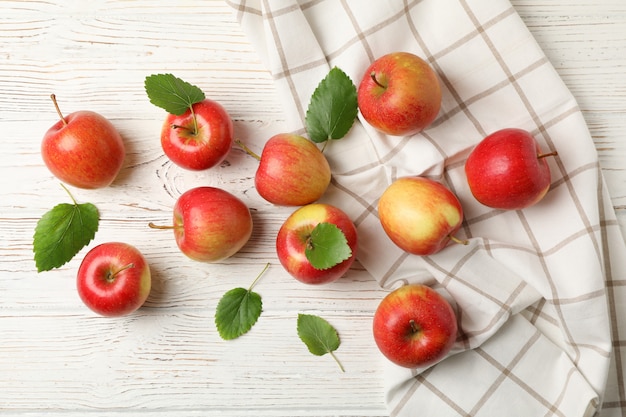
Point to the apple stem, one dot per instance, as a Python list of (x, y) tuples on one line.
[(195, 121), (248, 150), (70, 194), (543, 155), (338, 363), (267, 265), (56, 106), (373, 75), (111, 274), (459, 241), (161, 227), (414, 327), (193, 131)]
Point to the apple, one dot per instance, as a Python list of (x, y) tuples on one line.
[(292, 170), (399, 94), (508, 171), (420, 215), (295, 235), (210, 224), (83, 149), (113, 279), (198, 139), (414, 326)]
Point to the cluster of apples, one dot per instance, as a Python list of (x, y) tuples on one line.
[(399, 94), (414, 326), (83, 149)]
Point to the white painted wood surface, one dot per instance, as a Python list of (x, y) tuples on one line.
[(58, 358)]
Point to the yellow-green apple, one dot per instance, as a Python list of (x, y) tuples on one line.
[(200, 138), (414, 326), (299, 234), (83, 149), (292, 171), (420, 215), (113, 279), (507, 170), (210, 224), (399, 94)]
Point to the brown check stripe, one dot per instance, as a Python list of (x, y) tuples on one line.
[(538, 293)]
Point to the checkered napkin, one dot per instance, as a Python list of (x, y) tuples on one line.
[(539, 292)]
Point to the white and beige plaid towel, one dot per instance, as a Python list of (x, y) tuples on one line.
[(539, 293)]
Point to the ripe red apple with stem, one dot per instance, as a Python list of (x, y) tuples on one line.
[(83, 149), (399, 94), (420, 215), (114, 279), (200, 138), (414, 326), (209, 224), (507, 170), (306, 230), (292, 170)]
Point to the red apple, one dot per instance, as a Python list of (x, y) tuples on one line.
[(507, 170), (292, 171), (295, 235), (420, 215), (83, 149), (210, 224), (414, 326), (200, 139), (113, 279), (399, 94)]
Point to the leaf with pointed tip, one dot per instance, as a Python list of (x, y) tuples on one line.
[(327, 246), (62, 232), (237, 311), (333, 107), (171, 93), (319, 336)]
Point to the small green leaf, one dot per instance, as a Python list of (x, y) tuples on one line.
[(238, 310), (236, 313), (333, 107), (318, 335), (171, 93), (327, 246), (62, 232)]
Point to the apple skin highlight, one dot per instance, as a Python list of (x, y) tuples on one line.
[(414, 326), (83, 150), (420, 215), (114, 279), (508, 171), (293, 235), (211, 224), (201, 143), (292, 171), (399, 94)]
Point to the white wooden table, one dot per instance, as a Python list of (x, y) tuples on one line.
[(167, 359)]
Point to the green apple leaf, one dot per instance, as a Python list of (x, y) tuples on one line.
[(319, 336), (171, 93), (62, 232), (238, 310), (333, 107), (327, 246)]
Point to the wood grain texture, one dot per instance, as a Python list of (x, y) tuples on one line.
[(167, 359)]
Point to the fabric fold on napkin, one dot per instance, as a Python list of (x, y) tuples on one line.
[(538, 292)]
